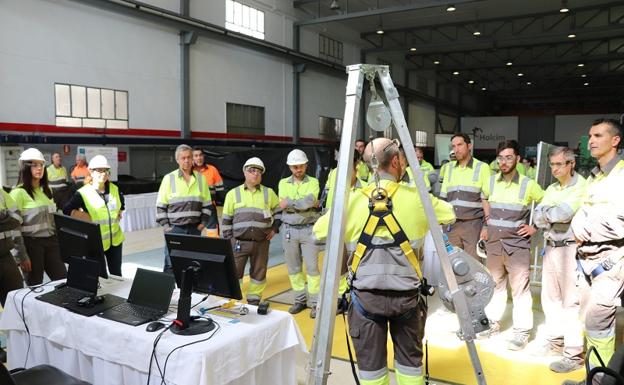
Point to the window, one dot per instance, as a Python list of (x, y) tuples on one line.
[(330, 49), (82, 106), (244, 19), (330, 128), (244, 119)]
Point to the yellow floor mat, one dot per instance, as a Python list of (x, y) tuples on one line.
[(448, 356)]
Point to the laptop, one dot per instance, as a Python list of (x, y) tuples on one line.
[(82, 281), (149, 299)]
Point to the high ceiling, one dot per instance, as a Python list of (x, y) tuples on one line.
[(517, 55)]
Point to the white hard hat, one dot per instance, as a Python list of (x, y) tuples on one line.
[(481, 252), (31, 154), (255, 162), (98, 161), (296, 157)]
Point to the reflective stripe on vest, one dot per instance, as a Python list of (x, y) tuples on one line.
[(106, 214), (10, 234), (381, 215)]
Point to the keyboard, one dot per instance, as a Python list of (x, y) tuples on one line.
[(65, 295), (136, 310)]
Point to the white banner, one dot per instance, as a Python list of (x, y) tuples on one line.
[(490, 130), (109, 153)]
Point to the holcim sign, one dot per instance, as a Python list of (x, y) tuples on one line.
[(489, 130)]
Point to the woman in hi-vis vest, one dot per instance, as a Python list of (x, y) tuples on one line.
[(100, 201), (36, 206)]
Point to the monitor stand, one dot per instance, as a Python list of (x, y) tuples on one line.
[(184, 325)]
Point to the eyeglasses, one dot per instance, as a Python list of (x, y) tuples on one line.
[(34, 164), (559, 164), (253, 170), (506, 159), (101, 170)]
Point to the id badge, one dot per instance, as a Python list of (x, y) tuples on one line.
[(267, 214), (112, 204)]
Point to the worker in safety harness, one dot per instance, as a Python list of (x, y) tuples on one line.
[(598, 228), (384, 233)]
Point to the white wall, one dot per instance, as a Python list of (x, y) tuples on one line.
[(422, 118), (322, 95), (569, 128), (43, 42)]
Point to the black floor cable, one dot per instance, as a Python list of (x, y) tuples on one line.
[(22, 315), (355, 376)]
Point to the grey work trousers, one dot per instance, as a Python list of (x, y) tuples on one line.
[(370, 338), (560, 300), (465, 235), (515, 268), (299, 248)]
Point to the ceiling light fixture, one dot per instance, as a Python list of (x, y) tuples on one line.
[(334, 6), (571, 36), (564, 7), (583, 76), (436, 62), (379, 31), (476, 33), (413, 49), (508, 63), (483, 89), (529, 83), (470, 81), (455, 73), (520, 74), (451, 8), (585, 84), (580, 65)]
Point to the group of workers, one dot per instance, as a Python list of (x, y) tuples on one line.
[(582, 221)]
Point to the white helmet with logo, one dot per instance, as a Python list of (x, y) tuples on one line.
[(98, 161), (254, 162), (31, 154), (481, 252), (296, 157)]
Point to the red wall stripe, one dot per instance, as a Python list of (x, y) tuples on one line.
[(51, 129)]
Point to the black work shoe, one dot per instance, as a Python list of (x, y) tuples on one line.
[(565, 365), (313, 312), (297, 308)]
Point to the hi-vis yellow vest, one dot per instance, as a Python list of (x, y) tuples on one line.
[(106, 215)]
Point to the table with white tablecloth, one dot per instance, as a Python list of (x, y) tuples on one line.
[(140, 212), (251, 350)]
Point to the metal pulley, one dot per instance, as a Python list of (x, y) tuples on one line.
[(378, 116)]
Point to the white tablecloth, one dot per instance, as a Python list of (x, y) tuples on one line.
[(140, 212), (257, 350)]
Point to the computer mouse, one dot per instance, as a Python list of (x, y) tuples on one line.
[(154, 326)]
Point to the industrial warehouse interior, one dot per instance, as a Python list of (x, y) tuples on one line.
[(427, 192)]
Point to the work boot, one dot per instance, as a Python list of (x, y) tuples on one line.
[(565, 365), (492, 331), (518, 342), (547, 350), (297, 308), (313, 312), (254, 302)]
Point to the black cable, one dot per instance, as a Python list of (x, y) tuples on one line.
[(426, 346), (182, 346), (153, 355), (22, 315)]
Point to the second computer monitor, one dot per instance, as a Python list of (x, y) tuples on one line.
[(80, 239), (213, 258)]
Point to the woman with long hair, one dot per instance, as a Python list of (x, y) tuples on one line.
[(100, 201), (36, 206)]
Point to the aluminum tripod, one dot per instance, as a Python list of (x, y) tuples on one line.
[(320, 355)]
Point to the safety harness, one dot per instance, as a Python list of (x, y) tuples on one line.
[(380, 207)]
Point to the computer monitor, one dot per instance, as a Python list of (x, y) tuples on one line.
[(78, 238), (204, 265)]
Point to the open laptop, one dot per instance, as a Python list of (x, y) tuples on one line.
[(82, 281), (149, 299)]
